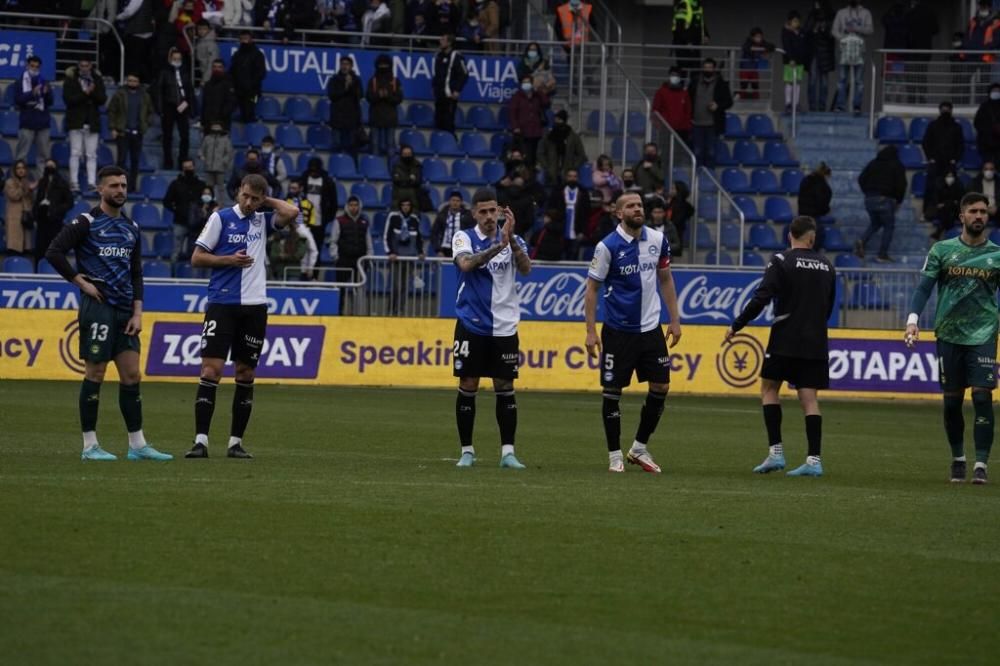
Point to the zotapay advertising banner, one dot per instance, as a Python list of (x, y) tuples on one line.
[(307, 69)]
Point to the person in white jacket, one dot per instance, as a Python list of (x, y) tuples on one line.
[(237, 12), (850, 26)]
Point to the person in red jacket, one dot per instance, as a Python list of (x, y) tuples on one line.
[(527, 119), (673, 103)]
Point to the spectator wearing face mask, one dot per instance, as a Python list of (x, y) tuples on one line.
[(402, 239), (350, 239), (606, 181), (850, 26), (206, 50), (218, 97), (183, 198), (943, 145), (33, 98), (527, 119), (710, 99), (216, 153), (986, 184), (302, 228), (248, 70), (649, 170), (452, 217), (521, 192), (173, 97), (471, 34), (344, 91), (679, 212), (407, 176), (450, 77), (286, 250), (571, 203), (673, 103), (987, 124), (560, 150), (270, 159), (129, 113), (251, 165), (384, 94), (981, 40), (321, 190), (206, 206), (755, 50), (52, 201), (83, 91), (941, 204), (549, 243), (532, 64)]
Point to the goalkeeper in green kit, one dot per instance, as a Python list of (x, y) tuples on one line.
[(966, 270)]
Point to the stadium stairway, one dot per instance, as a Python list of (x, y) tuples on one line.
[(842, 142)]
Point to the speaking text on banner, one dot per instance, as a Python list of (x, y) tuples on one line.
[(17, 45)]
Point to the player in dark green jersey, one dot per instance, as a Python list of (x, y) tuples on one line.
[(966, 271)]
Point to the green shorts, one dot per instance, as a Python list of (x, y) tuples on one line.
[(962, 366), (102, 331)]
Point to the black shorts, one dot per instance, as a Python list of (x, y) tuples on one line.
[(806, 373), (962, 366), (623, 353), (236, 328), (102, 331), (484, 355)]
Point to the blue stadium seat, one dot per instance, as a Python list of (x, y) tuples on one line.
[(632, 152), (319, 137), (425, 226), (420, 115), (834, 241), (168, 218), (378, 223), (466, 172), (163, 244), (764, 181), (147, 246), (147, 216), (493, 171), (762, 237), (723, 259), (474, 145), (890, 129), (682, 174), (104, 156), (79, 207), (238, 135), (995, 236), (289, 137), (416, 140), (968, 132), (594, 122), (269, 109), (17, 265), (911, 156), (704, 240), (366, 192), (444, 144), (752, 259), (156, 269), (735, 181), (734, 127), (481, 117), (9, 94), (387, 196), (58, 103), (778, 209), (184, 270), (374, 168), (749, 208), (586, 175), (45, 268), (323, 109), (302, 163), (499, 143), (777, 153), (300, 110), (723, 157), (918, 184), (791, 180), (952, 232), (436, 172), (341, 192), (707, 205), (342, 166), (636, 124), (255, 133), (762, 127), (867, 295), (9, 123), (918, 127), (971, 158), (154, 187), (57, 130), (848, 260), (730, 235)]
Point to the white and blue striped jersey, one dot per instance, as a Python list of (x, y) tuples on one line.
[(487, 302), (628, 269), (227, 232)]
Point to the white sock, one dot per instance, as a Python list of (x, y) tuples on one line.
[(638, 448), (89, 440), (776, 450), (469, 449), (136, 440), (201, 439), (235, 441), (812, 460), (959, 459), (615, 456), (980, 465), (506, 449)]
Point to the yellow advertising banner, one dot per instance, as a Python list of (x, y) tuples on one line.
[(370, 351)]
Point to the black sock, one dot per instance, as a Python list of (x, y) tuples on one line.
[(954, 424), (204, 406), (242, 406), (130, 402), (90, 401), (652, 409), (772, 421), (465, 415), (982, 431), (814, 433), (612, 419), (507, 416)]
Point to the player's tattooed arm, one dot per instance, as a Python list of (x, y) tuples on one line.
[(521, 259), (470, 262)]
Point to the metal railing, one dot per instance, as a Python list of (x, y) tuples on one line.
[(880, 298), (722, 215), (76, 38)]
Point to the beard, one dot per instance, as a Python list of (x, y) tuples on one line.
[(975, 229), (115, 200), (635, 222)]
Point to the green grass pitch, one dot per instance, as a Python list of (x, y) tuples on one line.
[(352, 539)]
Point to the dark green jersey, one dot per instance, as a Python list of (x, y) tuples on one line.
[(967, 280)]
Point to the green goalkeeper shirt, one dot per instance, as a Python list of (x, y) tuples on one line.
[(967, 280)]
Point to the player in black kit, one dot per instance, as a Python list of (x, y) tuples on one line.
[(803, 286)]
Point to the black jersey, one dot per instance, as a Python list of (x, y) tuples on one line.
[(803, 285), (108, 253)]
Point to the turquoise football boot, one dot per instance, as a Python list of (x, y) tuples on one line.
[(467, 460), (97, 453), (770, 464), (148, 453), (807, 470), (510, 461)]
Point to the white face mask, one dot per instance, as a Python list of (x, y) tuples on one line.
[(205, 198), (176, 63), (949, 181), (533, 54), (267, 150), (675, 80), (989, 174), (526, 87)]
